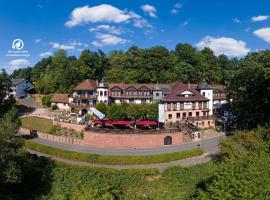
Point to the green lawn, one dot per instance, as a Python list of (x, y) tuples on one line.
[(114, 160), (36, 123)]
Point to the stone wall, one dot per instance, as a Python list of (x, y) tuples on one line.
[(55, 138), (114, 140), (76, 127)]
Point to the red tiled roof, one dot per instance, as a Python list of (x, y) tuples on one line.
[(151, 86), (59, 98), (181, 87), (86, 85)]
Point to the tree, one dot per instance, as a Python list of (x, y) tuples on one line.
[(6, 100), (10, 171), (249, 91), (242, 168)]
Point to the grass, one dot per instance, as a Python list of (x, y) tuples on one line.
[(111, 159), (37, 123)]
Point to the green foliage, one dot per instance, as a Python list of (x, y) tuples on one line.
[(6, 101), (132, 111), (60, 73), (54, 107), (53, 129), (242, 168), (249, 90), (116, 112), (114, 160), (46, 100), (102, 107), (10, 172)]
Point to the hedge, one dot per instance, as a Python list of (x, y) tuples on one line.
[(112, 159)]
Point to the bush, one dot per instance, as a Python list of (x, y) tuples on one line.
[(46, 100), (54, 107), (53, 129), (110, 159)]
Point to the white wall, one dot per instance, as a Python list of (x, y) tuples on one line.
[(62, 106), (20, 89), (103, 98), (209, 95)]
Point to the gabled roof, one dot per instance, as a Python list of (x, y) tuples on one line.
[(181, 87), (151, 86), (16, 81), (60, 98), (86, 85)]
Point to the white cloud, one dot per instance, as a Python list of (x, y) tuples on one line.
[(260, 18), (45, 54), (108, 28), (224, 45), (56, 45), (263, 33), (176, 8), (17, 62), (104, 13), (185, 23), (107, 40), (236, 20), (100, 13), (138, 21), (150, 10), (38, 40)]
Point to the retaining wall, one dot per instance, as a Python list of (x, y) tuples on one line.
[(114, 140), (55, 138)]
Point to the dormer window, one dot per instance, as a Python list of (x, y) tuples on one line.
[(185, 93)]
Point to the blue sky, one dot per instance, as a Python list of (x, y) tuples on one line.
[(230, 27)]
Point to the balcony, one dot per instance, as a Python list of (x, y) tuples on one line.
[(200, 118), (86, 97)]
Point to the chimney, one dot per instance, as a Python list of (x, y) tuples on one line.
[(188, 85)]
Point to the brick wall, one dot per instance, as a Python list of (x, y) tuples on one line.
[(114, 140)]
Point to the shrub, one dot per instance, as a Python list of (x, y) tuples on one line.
[(54, 107), (46, 100), (53, 129)]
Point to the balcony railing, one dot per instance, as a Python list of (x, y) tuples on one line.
[(174, 108), (199, 118)]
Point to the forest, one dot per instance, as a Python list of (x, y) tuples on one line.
[(60, 72)]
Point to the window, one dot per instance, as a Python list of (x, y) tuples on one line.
[(190, 114), (203, 94), (177, 115), (184, 115), (157, 94), (170, 116), (105, 93), (101, 93), (197, 113), (208, 123)]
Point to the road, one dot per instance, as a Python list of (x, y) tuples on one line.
[(208, 145)]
